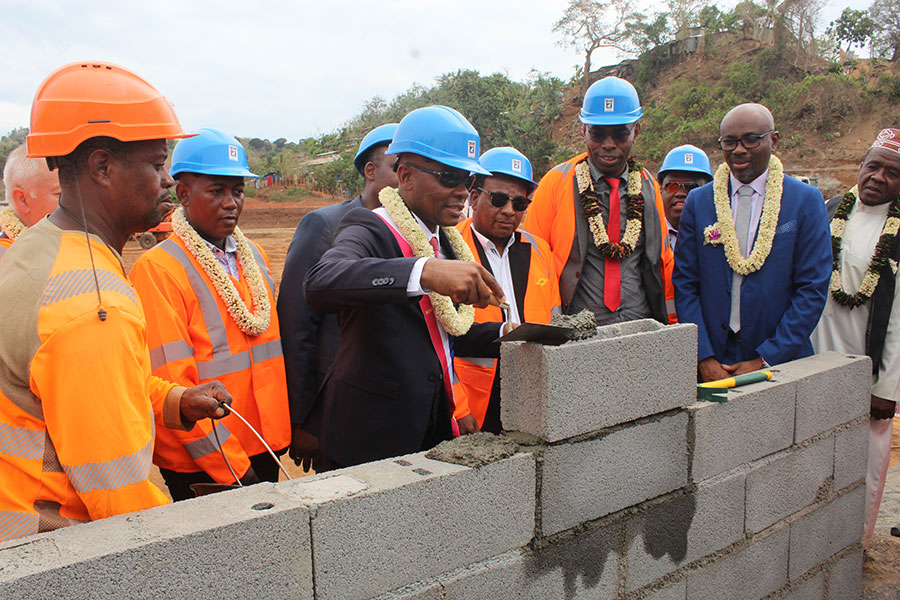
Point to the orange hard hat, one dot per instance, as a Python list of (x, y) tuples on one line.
[(90, 99)]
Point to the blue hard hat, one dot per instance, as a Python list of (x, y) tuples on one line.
[(210, 152), (506, 160), (383, 134), (686, 158), (610, 101), (441, 134)]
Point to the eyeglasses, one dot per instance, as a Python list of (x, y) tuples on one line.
[(499, 200), (449, 177), (620, 135), (673, 186), (749, 141)]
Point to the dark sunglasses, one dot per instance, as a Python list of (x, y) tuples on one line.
[(749, 141), (499, 200), (620, 135), (673, 186), (449, 177)]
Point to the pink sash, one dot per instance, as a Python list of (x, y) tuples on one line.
[(433, 332)]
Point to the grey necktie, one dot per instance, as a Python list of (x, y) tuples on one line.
[(742, 228)]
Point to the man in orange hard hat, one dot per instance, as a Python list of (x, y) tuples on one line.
[(77, 400), (32, 192)]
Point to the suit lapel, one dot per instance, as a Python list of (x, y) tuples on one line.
[(519, 264)]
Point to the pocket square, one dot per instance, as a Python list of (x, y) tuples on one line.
[(788, 227)]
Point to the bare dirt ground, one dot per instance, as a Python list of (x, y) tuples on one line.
[(272, 226)]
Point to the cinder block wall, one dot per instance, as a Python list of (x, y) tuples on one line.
[(623, 486)]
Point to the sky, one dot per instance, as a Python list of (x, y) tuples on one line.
[(280, 68)]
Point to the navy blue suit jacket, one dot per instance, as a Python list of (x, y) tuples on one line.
[(309, 337), (385, 386), (780, 303)]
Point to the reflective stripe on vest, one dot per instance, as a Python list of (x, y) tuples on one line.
[(170, 352), (670, 306), (207, 445), (17, 524), (223, 361), (21, 442), (111, 474)]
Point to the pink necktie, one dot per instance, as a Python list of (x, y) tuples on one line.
[(612, 287), (434, 244)]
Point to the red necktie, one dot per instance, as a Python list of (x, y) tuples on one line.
[(612, 286), (434, 244)]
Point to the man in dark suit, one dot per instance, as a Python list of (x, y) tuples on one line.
[(753, 258), (310, 337), (388, 391)]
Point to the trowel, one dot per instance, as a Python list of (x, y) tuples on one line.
[(550, 335)]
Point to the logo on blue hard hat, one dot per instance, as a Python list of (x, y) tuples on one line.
[(609, 105), (232, 153), (688, 159), (517, 165), (473, 148)]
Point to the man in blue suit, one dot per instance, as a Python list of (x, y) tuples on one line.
[(753, 259), (309, 337)]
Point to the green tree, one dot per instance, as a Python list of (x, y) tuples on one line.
[(886, 37), (853, 27)]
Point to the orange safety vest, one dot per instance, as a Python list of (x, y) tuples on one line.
[(551, 216), (194, 340), (77, 399), (473, 390), (5, 243)]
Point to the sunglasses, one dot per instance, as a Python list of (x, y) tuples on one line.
[(499, 200), (620, 135), (673, 186), (449, 177), (749, 141)]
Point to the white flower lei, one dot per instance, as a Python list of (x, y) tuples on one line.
[(245, 320), (10, 223), (598, 229), (768, 222), (454, 321)]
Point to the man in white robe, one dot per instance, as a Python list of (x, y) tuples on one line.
[(866, 320)]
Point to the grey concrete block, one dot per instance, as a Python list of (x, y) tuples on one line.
[(845, 577), (679, 531), (747, 574), (630, 370), (783, 484), (675, 591), (589, 479), (832, 389), (811, 589), (757, 420), (414, 518), (826, 531), (212, 547), (851, 451)]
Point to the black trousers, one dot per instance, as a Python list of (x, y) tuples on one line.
[(179, 484)]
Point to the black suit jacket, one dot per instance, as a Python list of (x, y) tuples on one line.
[(385, 389), (309, 337)]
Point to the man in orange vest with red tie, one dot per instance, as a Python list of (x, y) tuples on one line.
[(521, 262), (210, 305), (602, 214)]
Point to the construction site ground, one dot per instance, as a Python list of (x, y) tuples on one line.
[(272, 225)]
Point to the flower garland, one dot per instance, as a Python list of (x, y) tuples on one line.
[(634, 210), (880, 258), (10, 223), (249, 323), (722, 231), (454, 321)]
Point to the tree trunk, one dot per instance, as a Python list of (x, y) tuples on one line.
[(587, 71)]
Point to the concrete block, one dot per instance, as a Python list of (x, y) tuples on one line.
[(422, 591), (675, 591), (832, 389), (826, 531), (213, 547), (589, 479), (845, 577), (757, 420), (681, 530), (783, 484), (811, 589), (747, 574), (414, 518), (851, 451), (630, 370)]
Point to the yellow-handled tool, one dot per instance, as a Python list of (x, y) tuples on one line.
[(715, 391)]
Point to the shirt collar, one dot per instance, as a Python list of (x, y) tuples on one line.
[(758, 184), (486, 243), (671, 227), (596, 175), (230, 245), (421, 223)]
